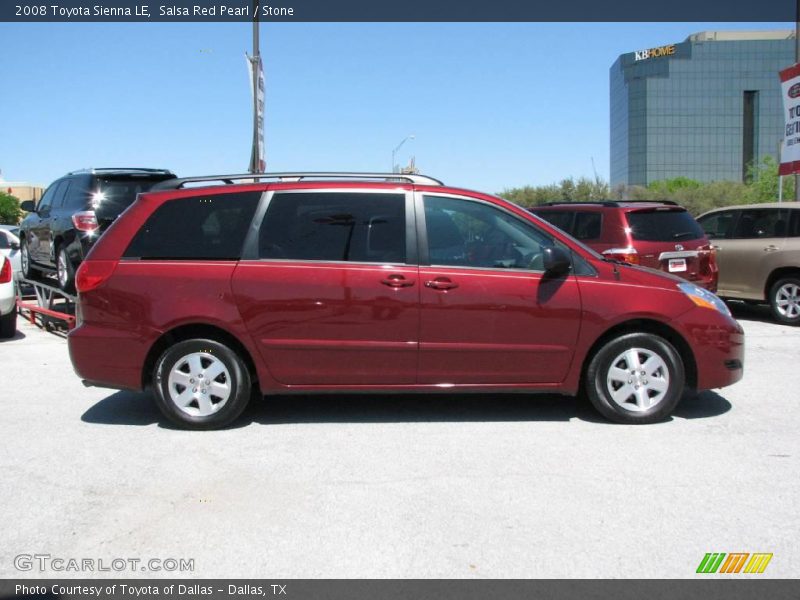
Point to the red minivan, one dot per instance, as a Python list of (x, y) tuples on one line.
[(302, 282)]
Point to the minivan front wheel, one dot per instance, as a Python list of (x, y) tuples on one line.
[(635, 378), (784, 300), (201, 384)]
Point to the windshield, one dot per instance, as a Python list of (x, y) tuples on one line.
[(660, 225)]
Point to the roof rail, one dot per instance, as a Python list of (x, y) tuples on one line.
[(92, 171), (608, 202), (174, 184)]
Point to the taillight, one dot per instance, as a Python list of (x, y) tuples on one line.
[(708, 258), (5, 270), (85, 220), (93, 273), (628, 255)]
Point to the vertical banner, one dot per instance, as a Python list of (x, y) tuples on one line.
[(258, 156), (790, 90)]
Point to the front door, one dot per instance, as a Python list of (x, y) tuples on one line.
[(489, 314), (333, 295)]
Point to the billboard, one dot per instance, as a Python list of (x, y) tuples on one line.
[(790, 91)]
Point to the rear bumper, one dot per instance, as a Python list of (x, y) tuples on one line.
[(105, 359)]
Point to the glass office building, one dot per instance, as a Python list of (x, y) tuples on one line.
[(705, 108)]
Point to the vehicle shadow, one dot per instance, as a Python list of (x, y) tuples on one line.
[(130, 408), (743, 311), (17, 336)]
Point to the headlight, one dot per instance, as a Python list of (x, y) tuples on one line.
[(703, 298)]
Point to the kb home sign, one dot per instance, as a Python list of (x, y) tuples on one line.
[(654, 52)]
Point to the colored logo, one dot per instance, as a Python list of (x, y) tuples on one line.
[(735, 562), (794, 91)]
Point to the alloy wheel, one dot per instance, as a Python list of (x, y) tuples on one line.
[(199, 384), (787, 300), (638, 379)]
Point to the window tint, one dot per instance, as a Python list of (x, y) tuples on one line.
[(587, 225), (47, 199), (761, 223), (719, 224), (335, 226), (77, 195), (794, 223), (61, 193), (560, 218), (112, 195), (473, 234), (663, 225), (4, 242), (201, 227)]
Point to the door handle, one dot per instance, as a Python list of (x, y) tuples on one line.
[(441, 283), (397, 281), (771, 248)]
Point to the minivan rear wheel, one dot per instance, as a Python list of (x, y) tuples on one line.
[(635, 378), (201, 384), (784, 300)]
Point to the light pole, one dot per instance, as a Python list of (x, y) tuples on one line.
[(408, 137)]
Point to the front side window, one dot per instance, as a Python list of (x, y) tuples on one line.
[(718, 225), (335, 226), (473, 234), (197, 228)]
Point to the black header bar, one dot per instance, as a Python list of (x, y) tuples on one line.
[(407, 11)]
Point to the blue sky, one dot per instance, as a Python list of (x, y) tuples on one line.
[(491, 105)]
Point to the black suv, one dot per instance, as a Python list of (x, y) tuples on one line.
[(57, 234)]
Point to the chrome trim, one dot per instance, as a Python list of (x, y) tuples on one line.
[(177, 183), (682, 254)]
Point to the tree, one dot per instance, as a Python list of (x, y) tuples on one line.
[(10, 213)]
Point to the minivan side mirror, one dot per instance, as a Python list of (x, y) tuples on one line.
[(556, 261), (28, 206)]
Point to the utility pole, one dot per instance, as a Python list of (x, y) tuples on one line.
[(255, 64)]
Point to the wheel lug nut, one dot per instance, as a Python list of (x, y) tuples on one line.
[(194, 390), (191, 381)]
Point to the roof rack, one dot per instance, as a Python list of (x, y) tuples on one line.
[(174, 184), (611, 203), (93, 171)]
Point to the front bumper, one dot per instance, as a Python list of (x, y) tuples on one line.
[(717, 342)]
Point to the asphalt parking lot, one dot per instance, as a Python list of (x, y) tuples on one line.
[(390, 486)]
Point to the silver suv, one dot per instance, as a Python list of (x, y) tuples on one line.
[(758, 254)]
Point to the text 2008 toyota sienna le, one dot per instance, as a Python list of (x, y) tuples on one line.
[(300, 283)]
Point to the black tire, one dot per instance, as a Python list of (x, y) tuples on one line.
[(784, 300), (8, 324), (27, 268), (177, 357), (65, 271), (599, 379)]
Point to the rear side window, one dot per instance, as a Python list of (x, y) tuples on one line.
[(761, 223), (560, 218), (663, 225), (794, 223), (335, 226), (197, 228), (587, 225)]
